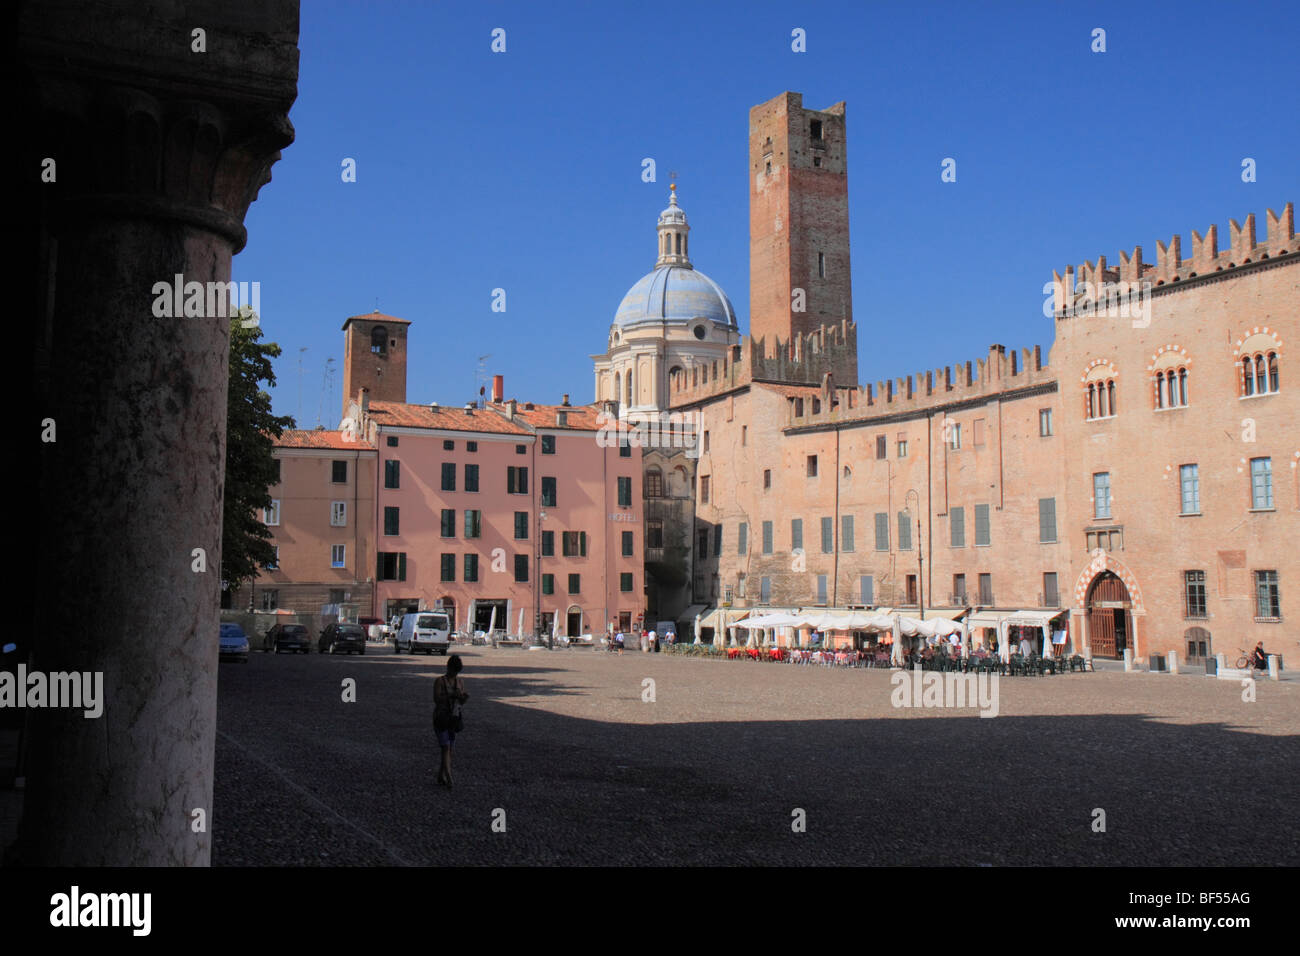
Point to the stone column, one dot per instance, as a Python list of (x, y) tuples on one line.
[(159, 147)]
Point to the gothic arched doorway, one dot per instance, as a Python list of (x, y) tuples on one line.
[(1110, 625)]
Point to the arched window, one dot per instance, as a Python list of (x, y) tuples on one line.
[(1261, 375), (1160, 389), (1272, 371), (379, 340), (679, 243), (629, 386), (1248, 374), (618, 386), (1182, 386), (1110, 396), (654, 483), (1092, 401)]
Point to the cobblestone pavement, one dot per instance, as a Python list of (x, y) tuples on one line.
[(714, 770)]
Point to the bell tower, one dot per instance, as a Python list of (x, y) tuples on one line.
[(374, 357)]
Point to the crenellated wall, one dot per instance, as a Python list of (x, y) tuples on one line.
[(1077, 291)]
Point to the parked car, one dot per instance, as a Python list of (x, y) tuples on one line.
[(287, 637), (342, 639), (426, 631), (234, 643)]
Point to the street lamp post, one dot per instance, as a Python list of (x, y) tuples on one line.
[(920, 576)]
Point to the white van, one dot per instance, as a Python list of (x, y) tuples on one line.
[(426, 631)]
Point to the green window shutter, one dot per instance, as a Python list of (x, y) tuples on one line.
[(401, 565), (957, 527), (904, 532), (982, 524), (1046, 520), (582, 544)]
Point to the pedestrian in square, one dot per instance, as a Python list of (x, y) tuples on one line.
[(448, 697)]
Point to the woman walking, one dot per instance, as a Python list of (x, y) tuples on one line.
[(448, 696)]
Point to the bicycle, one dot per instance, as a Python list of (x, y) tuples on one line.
[(1245, 661)]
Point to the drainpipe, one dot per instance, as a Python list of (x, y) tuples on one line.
[(835, 531)]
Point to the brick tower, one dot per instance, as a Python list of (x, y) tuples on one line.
[(799, 224), (375, 357)]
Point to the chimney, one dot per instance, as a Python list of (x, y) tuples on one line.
[(498, 388), (511, 406), (364, 402), (566, 399), (469, 408)]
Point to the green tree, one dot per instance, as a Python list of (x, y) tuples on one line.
[(250, 463)]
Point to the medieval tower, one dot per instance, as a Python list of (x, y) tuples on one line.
[(799, 226), (375, 357)]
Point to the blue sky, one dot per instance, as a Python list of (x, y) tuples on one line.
[(522, 170)]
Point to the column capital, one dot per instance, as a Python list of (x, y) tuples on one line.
[(142, 124)]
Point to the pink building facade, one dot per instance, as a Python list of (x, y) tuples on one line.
[(511, 516), (321, 521)]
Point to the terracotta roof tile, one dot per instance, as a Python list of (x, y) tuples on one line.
[(445, 417), (377, 317), (581, 418), (319, 438)]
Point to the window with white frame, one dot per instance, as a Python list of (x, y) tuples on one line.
[(1261, 484), (271, 515), (1101, 494), (338, 514), (338, 556)]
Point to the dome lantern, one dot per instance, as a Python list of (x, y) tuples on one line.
[(673, 231)]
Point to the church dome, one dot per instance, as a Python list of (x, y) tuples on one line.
[(675, 291), (676, 294)]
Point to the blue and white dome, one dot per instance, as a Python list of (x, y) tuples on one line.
[(675, 292)]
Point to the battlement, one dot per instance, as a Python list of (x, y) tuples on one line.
[(801, 360), (1077, 291), (1001, 371)]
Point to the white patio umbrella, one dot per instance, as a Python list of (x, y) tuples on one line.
[(519, 626), (492, 622), (697, 630), (555, 624), (898, 640)]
